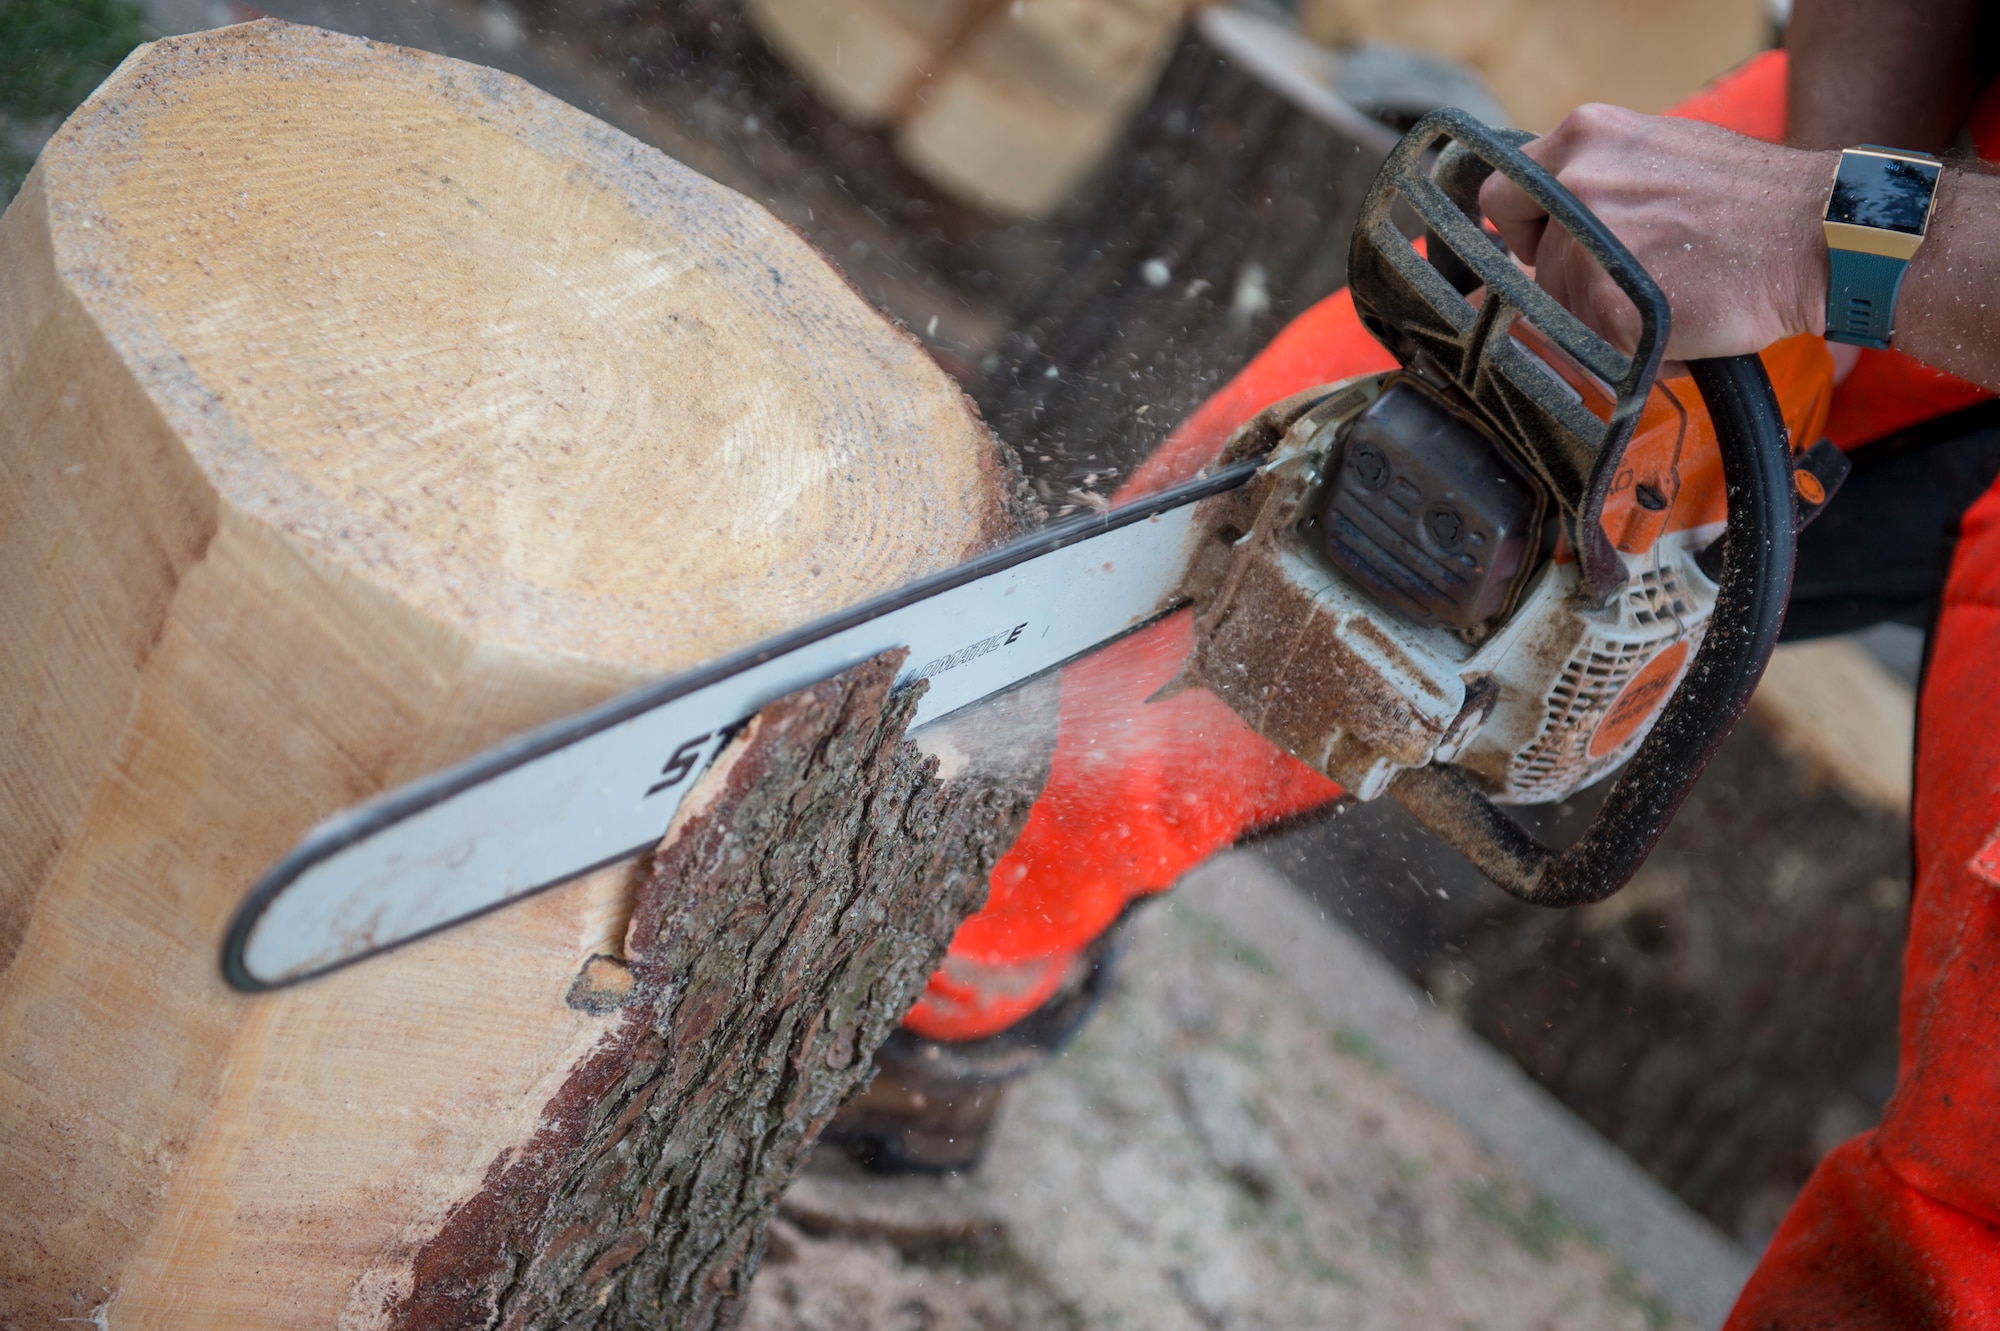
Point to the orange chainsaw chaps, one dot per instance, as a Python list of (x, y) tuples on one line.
[(1901, 1227), (1138, 794), (1862, 1250)]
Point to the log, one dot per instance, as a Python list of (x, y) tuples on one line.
[(1545, 57), (865, 58), (1034, 98), (784, 929), (1223, 212), (359, 409)]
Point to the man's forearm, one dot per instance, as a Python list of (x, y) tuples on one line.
[(1948, 313), (1730, 228), (1901, 73), (1904, 73)]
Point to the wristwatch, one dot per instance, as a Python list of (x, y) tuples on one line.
[(1876, 214)]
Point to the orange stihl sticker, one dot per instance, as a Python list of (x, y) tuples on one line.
[(1642, 697)]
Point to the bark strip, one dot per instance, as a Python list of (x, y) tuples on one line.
[(784, 929)]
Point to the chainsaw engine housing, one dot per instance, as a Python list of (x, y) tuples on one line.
[(1344, 617), (1429, 511)]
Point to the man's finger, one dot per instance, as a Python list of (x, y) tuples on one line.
[(1518, 218), (1577, 282), (1521, 221), (1552, 267), (1612, 312)]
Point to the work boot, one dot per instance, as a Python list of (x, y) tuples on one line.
[(931, 1104)]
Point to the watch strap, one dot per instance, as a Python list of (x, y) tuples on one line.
[(1861, 297)]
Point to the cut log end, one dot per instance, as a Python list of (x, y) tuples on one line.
[(453, 336)]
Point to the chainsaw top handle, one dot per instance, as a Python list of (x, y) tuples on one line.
[(1417, 309)]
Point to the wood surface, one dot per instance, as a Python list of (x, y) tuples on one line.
[(1035, 99), (1005, 105), (1545, 57), (358, 409), (864, 57), (1839, 712)]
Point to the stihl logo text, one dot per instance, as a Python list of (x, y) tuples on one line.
[(972, 653)]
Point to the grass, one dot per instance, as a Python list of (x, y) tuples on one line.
[(1625, 1286), (1356, 1044), (52, 54), (1536, 1224)]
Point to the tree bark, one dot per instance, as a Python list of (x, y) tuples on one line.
[(360, 409), (786, 925)]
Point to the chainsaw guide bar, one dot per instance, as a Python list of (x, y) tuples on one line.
[(601, 786), (1410, 588)]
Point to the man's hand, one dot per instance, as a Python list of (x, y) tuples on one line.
[(1730, 229), (1728, 226)]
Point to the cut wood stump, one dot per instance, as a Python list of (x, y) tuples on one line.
[(865, 58), (359, 409), (1837, 710), (1034, 99), (1003, 104)]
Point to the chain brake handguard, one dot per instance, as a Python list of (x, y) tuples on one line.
[(1417, 307)]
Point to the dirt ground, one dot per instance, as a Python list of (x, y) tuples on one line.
[(1210, 1153), (1725, 1020)]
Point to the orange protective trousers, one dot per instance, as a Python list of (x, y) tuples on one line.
[(1899, 1227)]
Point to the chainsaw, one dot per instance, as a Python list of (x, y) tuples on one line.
[(1449, 584)]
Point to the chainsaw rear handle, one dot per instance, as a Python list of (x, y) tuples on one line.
[(1760, 543)]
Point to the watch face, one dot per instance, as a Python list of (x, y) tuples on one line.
[(1883, 192)]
